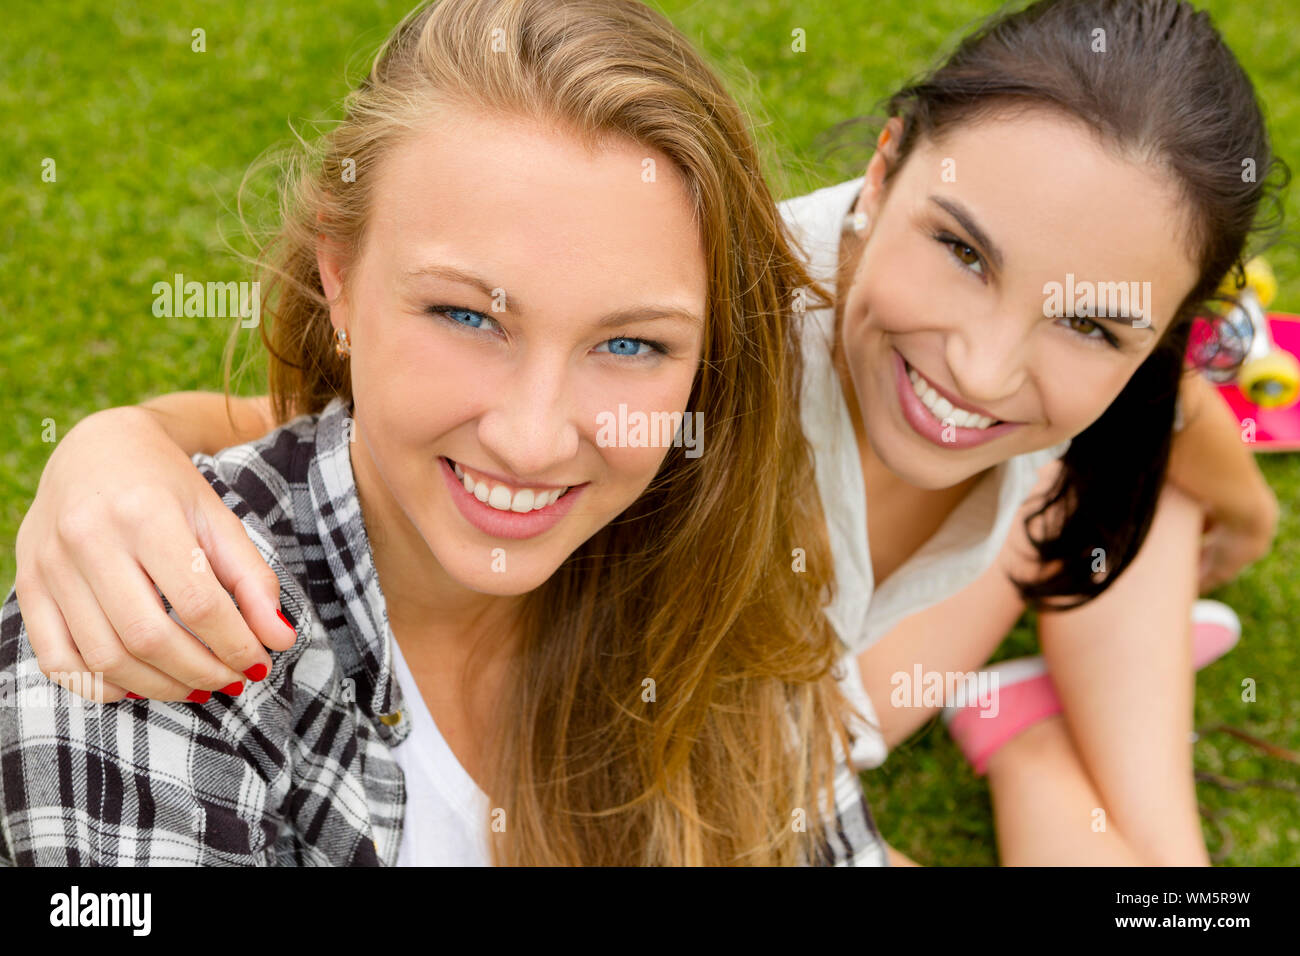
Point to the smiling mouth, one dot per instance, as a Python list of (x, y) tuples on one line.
[(942, 409), (503, 497)]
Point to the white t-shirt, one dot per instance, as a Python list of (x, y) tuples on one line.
[(965, 545), (446, 812)]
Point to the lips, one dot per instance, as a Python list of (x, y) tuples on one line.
[(506, 497), (943, 405), (946, 432), (498, 522)]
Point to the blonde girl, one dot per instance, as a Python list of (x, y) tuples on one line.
[(618, 664)]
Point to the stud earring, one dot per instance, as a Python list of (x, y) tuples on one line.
[(856, 222), (342, 348)]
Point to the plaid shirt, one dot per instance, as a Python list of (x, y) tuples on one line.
[(295, 771)]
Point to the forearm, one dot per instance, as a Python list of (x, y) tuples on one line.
[(201, 422), (1212, 465)]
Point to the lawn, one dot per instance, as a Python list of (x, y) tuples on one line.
[(150, 140)]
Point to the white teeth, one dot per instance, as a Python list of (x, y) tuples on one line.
[(501, 498), (943, 409)]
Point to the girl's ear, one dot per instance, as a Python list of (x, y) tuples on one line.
[(329, 262), (882, 160)]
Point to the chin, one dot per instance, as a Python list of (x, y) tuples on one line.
[(914, 461), (934, 478), (509, 583)]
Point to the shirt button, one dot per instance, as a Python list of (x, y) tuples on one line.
[(391, 720)]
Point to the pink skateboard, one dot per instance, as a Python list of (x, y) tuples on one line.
[(1273, 429)]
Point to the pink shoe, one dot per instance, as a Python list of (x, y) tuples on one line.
[(1022, 692), (1215, 631), (1021, 695)]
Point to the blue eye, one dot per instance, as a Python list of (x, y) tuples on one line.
[(623, 345), (631, 348), (465, 318)]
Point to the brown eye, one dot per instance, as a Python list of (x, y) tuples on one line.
[(1083, 325), (1087, 328), (965, 255)]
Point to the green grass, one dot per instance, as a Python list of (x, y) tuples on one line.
[(151, 139)]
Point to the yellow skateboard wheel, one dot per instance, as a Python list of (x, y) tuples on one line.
[(1272, 381)]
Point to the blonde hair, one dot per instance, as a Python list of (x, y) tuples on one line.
[(693, 586)]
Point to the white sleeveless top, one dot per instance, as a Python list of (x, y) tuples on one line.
[(965, 545)]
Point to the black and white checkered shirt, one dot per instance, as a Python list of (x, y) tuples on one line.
[(297, 770)]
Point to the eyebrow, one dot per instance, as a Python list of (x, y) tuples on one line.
[(963, 216), (618, 317)]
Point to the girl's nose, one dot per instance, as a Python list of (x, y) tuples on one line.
[(531, 427), (989, 364)]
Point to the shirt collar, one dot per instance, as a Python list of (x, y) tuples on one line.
[(367, 647)]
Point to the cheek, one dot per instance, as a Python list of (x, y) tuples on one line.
[(886, 296), (628, 472), (873, 311), (413, 383), (1077, 390), (613, 404)]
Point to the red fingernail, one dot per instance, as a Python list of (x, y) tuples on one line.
[(256, 672), (287, 623), (199, 696), (134, 696), (234, 690)]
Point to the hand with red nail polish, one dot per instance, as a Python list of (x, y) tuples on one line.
[(257, 672), (142, 506)]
